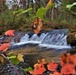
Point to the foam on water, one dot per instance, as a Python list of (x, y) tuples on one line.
[(53, 39), (55, 46), (33, 40)]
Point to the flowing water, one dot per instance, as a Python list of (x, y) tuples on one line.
[(52, 39), (49, 45), (56, 39)]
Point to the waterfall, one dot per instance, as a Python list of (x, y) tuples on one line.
[(34, 39), (51, 39), (55, 39)]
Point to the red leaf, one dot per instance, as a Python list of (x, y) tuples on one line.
[(52, 66), (10, 32), (68, 69), (39, 69), (4, 47)]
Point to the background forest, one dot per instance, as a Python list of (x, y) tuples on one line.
[(20, 16)]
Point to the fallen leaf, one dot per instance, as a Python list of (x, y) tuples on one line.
[(20, 57)]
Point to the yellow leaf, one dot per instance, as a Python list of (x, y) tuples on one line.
[(20, 57)]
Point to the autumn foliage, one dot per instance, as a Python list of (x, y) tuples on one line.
[(10, 33), (37, 25), (67, 63)]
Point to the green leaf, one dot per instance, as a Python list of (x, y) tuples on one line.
[(11, 57), (28, 69), (29, 9), (14, 12), (14, 61), (70, 5), (41, 12), (74, 3), (18, 11)]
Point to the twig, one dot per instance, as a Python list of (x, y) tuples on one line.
[(10, 63)]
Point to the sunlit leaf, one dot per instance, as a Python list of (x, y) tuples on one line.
[(29, 9), (20, 57), (11, 57), (70, 5), (41, 12)]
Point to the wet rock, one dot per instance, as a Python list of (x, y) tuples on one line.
[(71, 39), (7, 69)]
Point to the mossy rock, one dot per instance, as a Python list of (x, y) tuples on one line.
[(71, 39)]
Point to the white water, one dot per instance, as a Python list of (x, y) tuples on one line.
[(55, 46), (33, 40), (53, 39)]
